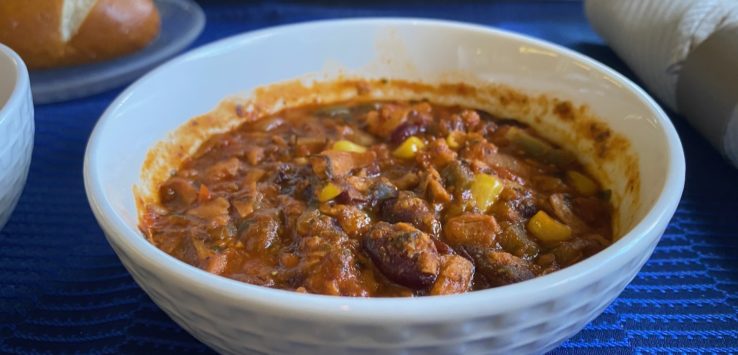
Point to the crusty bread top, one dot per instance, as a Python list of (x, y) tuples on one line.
[(112, 29), (53, 33), (33, 33), (74, 13)]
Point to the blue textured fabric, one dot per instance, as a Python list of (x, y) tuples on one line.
[(63, 290)]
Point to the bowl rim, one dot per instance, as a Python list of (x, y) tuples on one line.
[(22, 82), (475, 304)]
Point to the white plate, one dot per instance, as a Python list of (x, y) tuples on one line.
[(181, 22)]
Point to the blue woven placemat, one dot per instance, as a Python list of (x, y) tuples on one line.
[(63, 290)]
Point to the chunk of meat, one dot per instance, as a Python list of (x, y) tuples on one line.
[(329, 267), (290, 178), (575, 250), (452, 123), (223, 169), (223, 262), (501, 268), (215, 210), (508, 175), (257, 273), (511, 163), (455, 276), (261, 230), (488, 153), (478, 148), (353, 221), (471, 119), (192, 251), (467, 120), (169, 229), (360, 184), (247, 202), (469, 229), (305, 146), (253, 154), (563, 209), (434, 189), (197, 252), (516, 205), (335, 164), (177, 193), (389, 117), (328, 263), (321, 166), (314, 223), (349, 196), (547, 264), (291, 209), (411, 209), (404, 254), (203, 194), (408, 181), (251, 177), (438, 153)]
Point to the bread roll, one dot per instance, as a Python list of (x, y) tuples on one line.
[(54, 33)]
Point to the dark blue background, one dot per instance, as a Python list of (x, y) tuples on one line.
[(62, 289)]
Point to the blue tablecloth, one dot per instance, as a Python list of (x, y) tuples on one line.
[(62, 289)]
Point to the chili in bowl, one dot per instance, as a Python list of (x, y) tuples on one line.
[(512, 187), (380, 198)]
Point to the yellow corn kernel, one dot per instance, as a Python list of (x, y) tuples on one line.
[(453, 140), (547, 229), (485, 189), (408, 148), (348, 146), (582, 183), (329, 192)]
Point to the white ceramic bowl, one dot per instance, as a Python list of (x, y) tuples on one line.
[(16, 130), (234, 317)]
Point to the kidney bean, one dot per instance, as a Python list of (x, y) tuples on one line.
[(455, 276), (411, 209), (404, 254)]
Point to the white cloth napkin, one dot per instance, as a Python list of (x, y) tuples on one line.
[(656, 37)]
